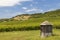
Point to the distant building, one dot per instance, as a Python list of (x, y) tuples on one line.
[(46, 29)]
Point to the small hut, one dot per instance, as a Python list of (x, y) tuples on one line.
[(46, 29)]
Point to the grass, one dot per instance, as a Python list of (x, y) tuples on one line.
[(19, 25), (31, 24), (28, 35), (11, 30)]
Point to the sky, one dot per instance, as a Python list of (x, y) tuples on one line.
[(10, 8)]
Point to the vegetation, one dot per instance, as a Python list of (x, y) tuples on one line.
[(11, 29), (28, 35), (33, 23)]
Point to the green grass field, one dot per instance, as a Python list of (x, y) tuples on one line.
[(31, 24), (28, 35)]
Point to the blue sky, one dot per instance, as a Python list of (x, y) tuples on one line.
[(10, 8)]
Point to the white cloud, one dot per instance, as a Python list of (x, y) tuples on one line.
[(58, 4), (31, 5), (47, 5), (11, 2), (34, 10), (24, 8), (30, 10), (51, 9), (36, 2), (43, 0)]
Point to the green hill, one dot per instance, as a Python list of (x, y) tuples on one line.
[(30, 21)]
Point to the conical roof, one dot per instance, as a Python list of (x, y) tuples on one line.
[(46, 23)]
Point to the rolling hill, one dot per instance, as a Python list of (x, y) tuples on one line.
[(30, 21)]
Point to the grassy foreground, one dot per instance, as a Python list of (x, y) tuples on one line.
[(28, 35)]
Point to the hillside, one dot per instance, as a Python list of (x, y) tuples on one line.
[(51, 14), (30, 21)]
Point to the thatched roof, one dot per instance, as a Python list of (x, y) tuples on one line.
[(46, 23)]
